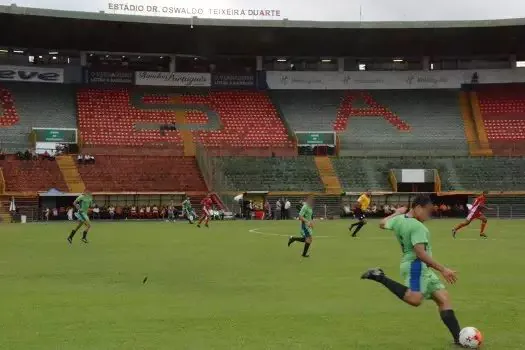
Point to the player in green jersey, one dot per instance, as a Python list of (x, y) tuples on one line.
[(187, 210), (417, 263), (307, 223), (82, 203)]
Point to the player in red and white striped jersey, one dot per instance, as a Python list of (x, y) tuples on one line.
[(475, 212), (207, 204)]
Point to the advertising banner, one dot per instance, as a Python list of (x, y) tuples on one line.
[(306, 10), (101, 77), (173, 79), (32, 74), (364, 80), (232, 80)]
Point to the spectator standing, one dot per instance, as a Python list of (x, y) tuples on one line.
[(278, 207), (268, 210), (111, 211), (70, 214), (287, 206)]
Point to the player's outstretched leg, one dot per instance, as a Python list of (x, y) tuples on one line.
[(448, 316), (73, 232), (207, 220), (483, 226), (410, 297), (295, 239), (359, 226), (459, 227), (201, 219), (85, 233), (352, 226), (307, 243)]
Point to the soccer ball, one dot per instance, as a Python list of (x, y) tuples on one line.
[(471, 338)]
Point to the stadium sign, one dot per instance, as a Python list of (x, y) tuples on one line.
[(32, 74), (63, 135), (233, 80), (325, 11), (316, 138), (99, 77), (173, 79), (363, 80)]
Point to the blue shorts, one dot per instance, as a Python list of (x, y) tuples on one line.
[(359, 214), (305, 231), (82, 217)]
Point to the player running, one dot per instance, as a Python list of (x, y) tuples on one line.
[(187, 210), (363, 202), (417, 263), (307, 224), (82, 203), (206, 204), (475, 212)]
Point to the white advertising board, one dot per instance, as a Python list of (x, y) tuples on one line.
[(452, 79), (297, 10), (32, 74), (173, 79)]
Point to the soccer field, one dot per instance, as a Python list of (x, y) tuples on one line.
[(238, 286)]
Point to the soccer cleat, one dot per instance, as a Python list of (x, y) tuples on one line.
[(290, 241), (199, 225), (305, 256), (69, 240), (84, 240), (207, 225), (484, 236), (373, 274), (454, 233)]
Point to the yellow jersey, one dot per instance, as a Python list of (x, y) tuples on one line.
[(364, 202)]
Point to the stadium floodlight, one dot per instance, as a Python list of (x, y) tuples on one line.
[(397, 60), (18, 51), (4, 50), (326, 60), (281, 60), (53, 52)]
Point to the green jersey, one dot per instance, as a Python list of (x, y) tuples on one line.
[(186, 205), (85, 202), (409, 232), (306, 212)]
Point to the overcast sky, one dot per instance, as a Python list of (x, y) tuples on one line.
[(326, 10)]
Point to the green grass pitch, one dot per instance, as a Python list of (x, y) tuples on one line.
[(237, 286)]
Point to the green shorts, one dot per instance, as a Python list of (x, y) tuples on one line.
[(306, 231), (82, 217), (419, 278)]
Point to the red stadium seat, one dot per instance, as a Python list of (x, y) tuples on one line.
[(248, 119), (503, 110), (142, 174), (373, 109)]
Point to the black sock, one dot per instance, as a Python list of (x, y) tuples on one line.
[(354, 225), (359, 227), (306, 247), (84, 234), (449, 319), (396, 288), (298, 239), (72, 234)]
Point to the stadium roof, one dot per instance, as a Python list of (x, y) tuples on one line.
[(106, 32)]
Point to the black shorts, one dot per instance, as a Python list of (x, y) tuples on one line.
[(359, 214)]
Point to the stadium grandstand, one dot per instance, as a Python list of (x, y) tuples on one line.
[(146, 105)]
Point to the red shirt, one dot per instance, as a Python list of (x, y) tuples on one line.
[(207, 203), (478, 203)]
